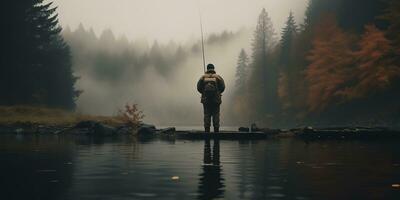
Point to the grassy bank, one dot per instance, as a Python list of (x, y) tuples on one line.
[(49, 116)]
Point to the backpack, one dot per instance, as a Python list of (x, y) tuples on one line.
[(210, 91)]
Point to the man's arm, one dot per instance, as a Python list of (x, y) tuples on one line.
[(221, 84), (200, 85)]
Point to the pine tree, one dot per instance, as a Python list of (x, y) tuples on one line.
[(288, 36), (157, 58), (315, 9), (288, 71), (392, 16), (241, 70), (311, 7), (264, 37), (264, 77), (348, 19), (36, 59)]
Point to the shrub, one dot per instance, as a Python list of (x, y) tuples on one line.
[(131, 115)]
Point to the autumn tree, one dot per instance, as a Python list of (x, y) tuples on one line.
[(331, 64), (375, 69)]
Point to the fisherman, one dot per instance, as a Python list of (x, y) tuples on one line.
[(211, 86)]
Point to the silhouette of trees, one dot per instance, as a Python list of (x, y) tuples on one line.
[(264, 75), (288, 72), (35, 60), (115, 59), (286, 43), (351, 15), (342, 60), (239, 99), (391, 16), (242, 70)]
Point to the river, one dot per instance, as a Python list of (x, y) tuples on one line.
[(81, 167)]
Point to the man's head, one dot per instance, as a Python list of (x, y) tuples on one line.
[(210, 67)]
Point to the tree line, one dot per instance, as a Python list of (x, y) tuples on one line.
[(42, 64), (35, 66), (338, 67), (109, 58)]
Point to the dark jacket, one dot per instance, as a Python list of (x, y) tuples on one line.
[(220, 85)]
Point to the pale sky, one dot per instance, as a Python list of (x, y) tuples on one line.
[(173, 19)]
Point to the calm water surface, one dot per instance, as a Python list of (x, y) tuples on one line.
[(74, 168)]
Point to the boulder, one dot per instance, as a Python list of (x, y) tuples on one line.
[(94, 128), (86, 124), (103, 130), (168, 131), (244, 129), (146, 130), (124, 130)]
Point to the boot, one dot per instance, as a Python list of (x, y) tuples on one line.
[(207, 129), (216, 129)]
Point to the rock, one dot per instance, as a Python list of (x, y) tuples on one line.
[(271, 131), (167, 131), (94, 128), (103, 130), (146, 130), (244, 129), (86, 124), (308, 129), (48, 129), (125, 130)]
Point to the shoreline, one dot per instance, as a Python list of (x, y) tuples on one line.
[(99, 129), (42, 120)]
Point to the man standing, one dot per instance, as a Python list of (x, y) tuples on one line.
[(211, 86)]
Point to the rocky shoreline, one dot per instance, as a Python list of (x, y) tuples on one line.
[(93, 128)]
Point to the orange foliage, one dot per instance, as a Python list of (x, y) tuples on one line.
[(374, 68), (330, 64), (131, 115)]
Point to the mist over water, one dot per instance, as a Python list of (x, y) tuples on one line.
[(165, 100), (167, 97)]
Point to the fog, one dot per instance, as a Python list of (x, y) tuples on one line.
[(172, 19), (167, 99)]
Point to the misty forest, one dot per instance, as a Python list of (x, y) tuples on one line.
[(200, 99), (337, 67)]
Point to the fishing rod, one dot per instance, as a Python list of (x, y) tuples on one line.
[(202, 44)]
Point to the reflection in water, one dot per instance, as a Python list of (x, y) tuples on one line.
[(211, 182), (34, 167), (85, 168)]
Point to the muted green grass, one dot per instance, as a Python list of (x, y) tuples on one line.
[(50, 116)]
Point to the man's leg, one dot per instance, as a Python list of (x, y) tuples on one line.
[(216, 115), (207, 118)]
